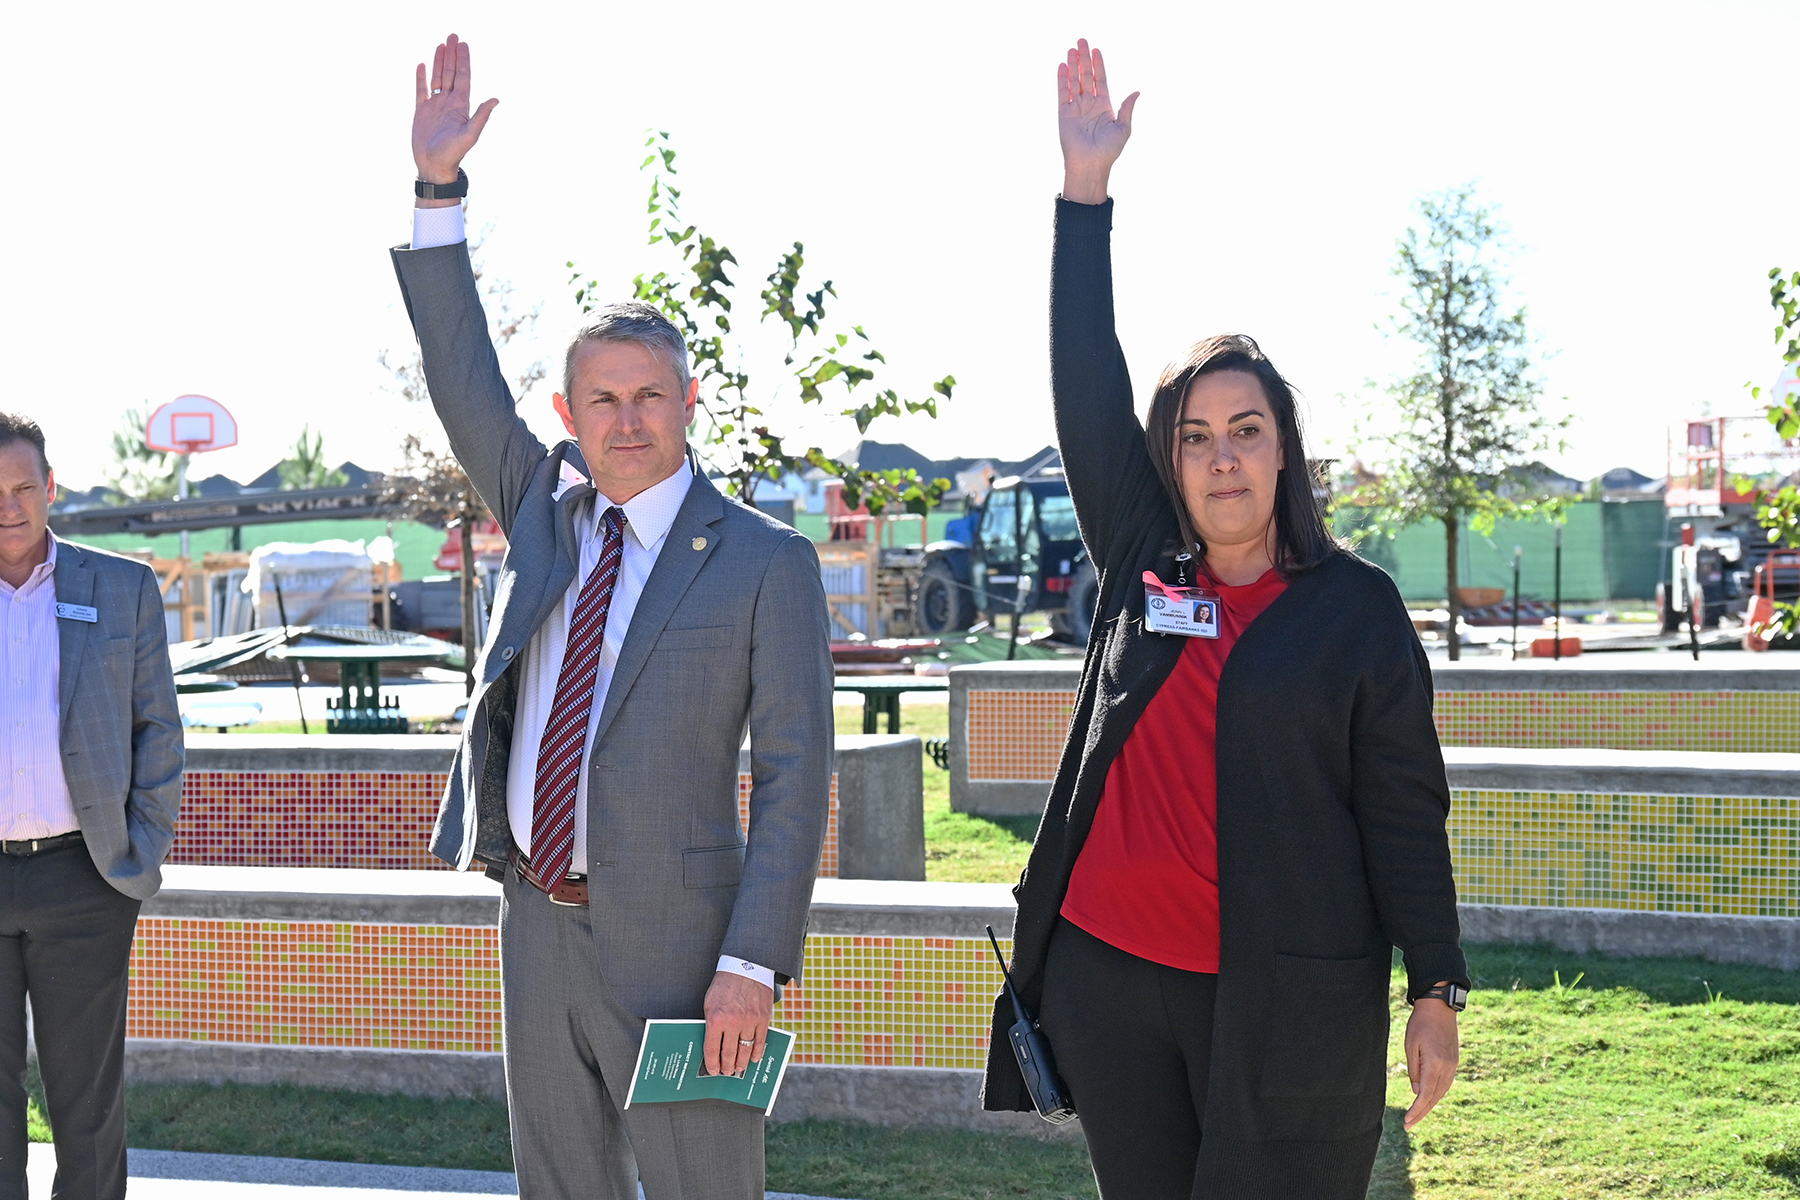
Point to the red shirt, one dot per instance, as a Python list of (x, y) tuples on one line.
[(1147, 878)]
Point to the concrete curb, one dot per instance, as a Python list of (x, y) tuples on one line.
[(397, 752), (1753, 941), (439, 1073), (1625, 772)]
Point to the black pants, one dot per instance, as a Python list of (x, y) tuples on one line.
[(1133, 1040), (65, 939)]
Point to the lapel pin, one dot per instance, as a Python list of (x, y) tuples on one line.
[(699, 543)]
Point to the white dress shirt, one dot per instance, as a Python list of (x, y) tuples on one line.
[(34, 796), (648, 516)]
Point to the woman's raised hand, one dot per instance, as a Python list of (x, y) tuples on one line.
[(443, 128), (1092, 134)]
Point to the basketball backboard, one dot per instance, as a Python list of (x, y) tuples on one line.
[(190, 425)]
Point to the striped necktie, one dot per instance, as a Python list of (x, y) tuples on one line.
[(565, 735)]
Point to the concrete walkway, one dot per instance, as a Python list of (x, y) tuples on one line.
[(175, 1175)]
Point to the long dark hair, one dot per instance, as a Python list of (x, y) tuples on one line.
[(1302, 539)]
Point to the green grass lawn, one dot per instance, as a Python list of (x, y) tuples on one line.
[(1583, 1078)]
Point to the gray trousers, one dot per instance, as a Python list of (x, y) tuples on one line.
[(571, 1050), (65, 939)]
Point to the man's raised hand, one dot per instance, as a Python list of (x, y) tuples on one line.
[(443, 130), (1092, 134)]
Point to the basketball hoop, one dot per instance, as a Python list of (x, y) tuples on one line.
[(189, 425)]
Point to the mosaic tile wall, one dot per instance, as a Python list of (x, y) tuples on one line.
[(925, 1002), (1018, 735), (340, 819), (1740, 721), (909, 1002), (893, 1001), (1696, 854), (308, 819), (399, 987)]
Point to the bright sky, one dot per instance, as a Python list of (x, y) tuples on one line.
[(200, 197)]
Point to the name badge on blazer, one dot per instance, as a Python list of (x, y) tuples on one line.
[(1182, 611), (78, 612)]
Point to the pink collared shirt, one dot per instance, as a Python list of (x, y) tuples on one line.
[(34, 797)]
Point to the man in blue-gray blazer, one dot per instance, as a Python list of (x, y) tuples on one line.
[(641, 626), (90, 779)]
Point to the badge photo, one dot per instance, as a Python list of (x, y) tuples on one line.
[(1181, 611)]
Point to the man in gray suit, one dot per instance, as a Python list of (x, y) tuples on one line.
[(90, 779), (641, 625)]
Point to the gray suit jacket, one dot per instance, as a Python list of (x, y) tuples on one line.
[(730, 634), (121, 732)]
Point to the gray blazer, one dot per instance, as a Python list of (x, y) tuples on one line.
[(731, 634), (121, 732)]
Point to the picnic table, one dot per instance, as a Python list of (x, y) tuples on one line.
[(187, 685), (360, 706), (881, 694)]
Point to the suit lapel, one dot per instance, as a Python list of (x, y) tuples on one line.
[(74, 585), (675, 570), (567, 559)]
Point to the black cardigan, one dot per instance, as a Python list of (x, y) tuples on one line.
[(1331, 791)]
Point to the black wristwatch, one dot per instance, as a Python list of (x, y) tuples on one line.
[(443, 191), (1453, 994)]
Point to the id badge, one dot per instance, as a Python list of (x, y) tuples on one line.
[(1183, 611)]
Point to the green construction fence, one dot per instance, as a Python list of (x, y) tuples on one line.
[(1611, 551)]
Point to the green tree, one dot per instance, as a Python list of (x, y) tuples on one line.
[(1453, 436), (697, 295), (1778, 509), (138, 473), (304, 467)]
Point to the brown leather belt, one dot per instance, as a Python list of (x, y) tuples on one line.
[(572, 891), (31, 846)]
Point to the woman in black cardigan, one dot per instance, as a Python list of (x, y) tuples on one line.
[(1244, 824)]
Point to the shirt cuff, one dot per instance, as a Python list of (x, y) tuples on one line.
[(748, 969), (438, 227)]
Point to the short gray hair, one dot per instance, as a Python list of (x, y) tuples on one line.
[(17, 427), (632, 321)]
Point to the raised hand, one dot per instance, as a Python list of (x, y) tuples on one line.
[(1092, 134), (443, 130)]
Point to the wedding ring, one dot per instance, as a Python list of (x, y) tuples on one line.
[(435, 91), (742, 1042)]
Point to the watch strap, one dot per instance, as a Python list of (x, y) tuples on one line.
[(443, 191), (1453, 994)]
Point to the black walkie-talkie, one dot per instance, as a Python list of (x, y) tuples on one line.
[(1032, 1049)]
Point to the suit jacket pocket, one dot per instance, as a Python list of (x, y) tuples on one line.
[(716, 866), (1328, 1036), (709, 637)]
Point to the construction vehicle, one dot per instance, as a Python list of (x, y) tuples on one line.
[(1717, 467), (1015, 550)]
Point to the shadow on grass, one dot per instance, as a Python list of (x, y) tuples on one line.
[(835, 1158), (1023, 828), (1392, 1177), (1676, 981)]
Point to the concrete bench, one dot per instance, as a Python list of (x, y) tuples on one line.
[(388, 981), (351, 801), (1009, 721)]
